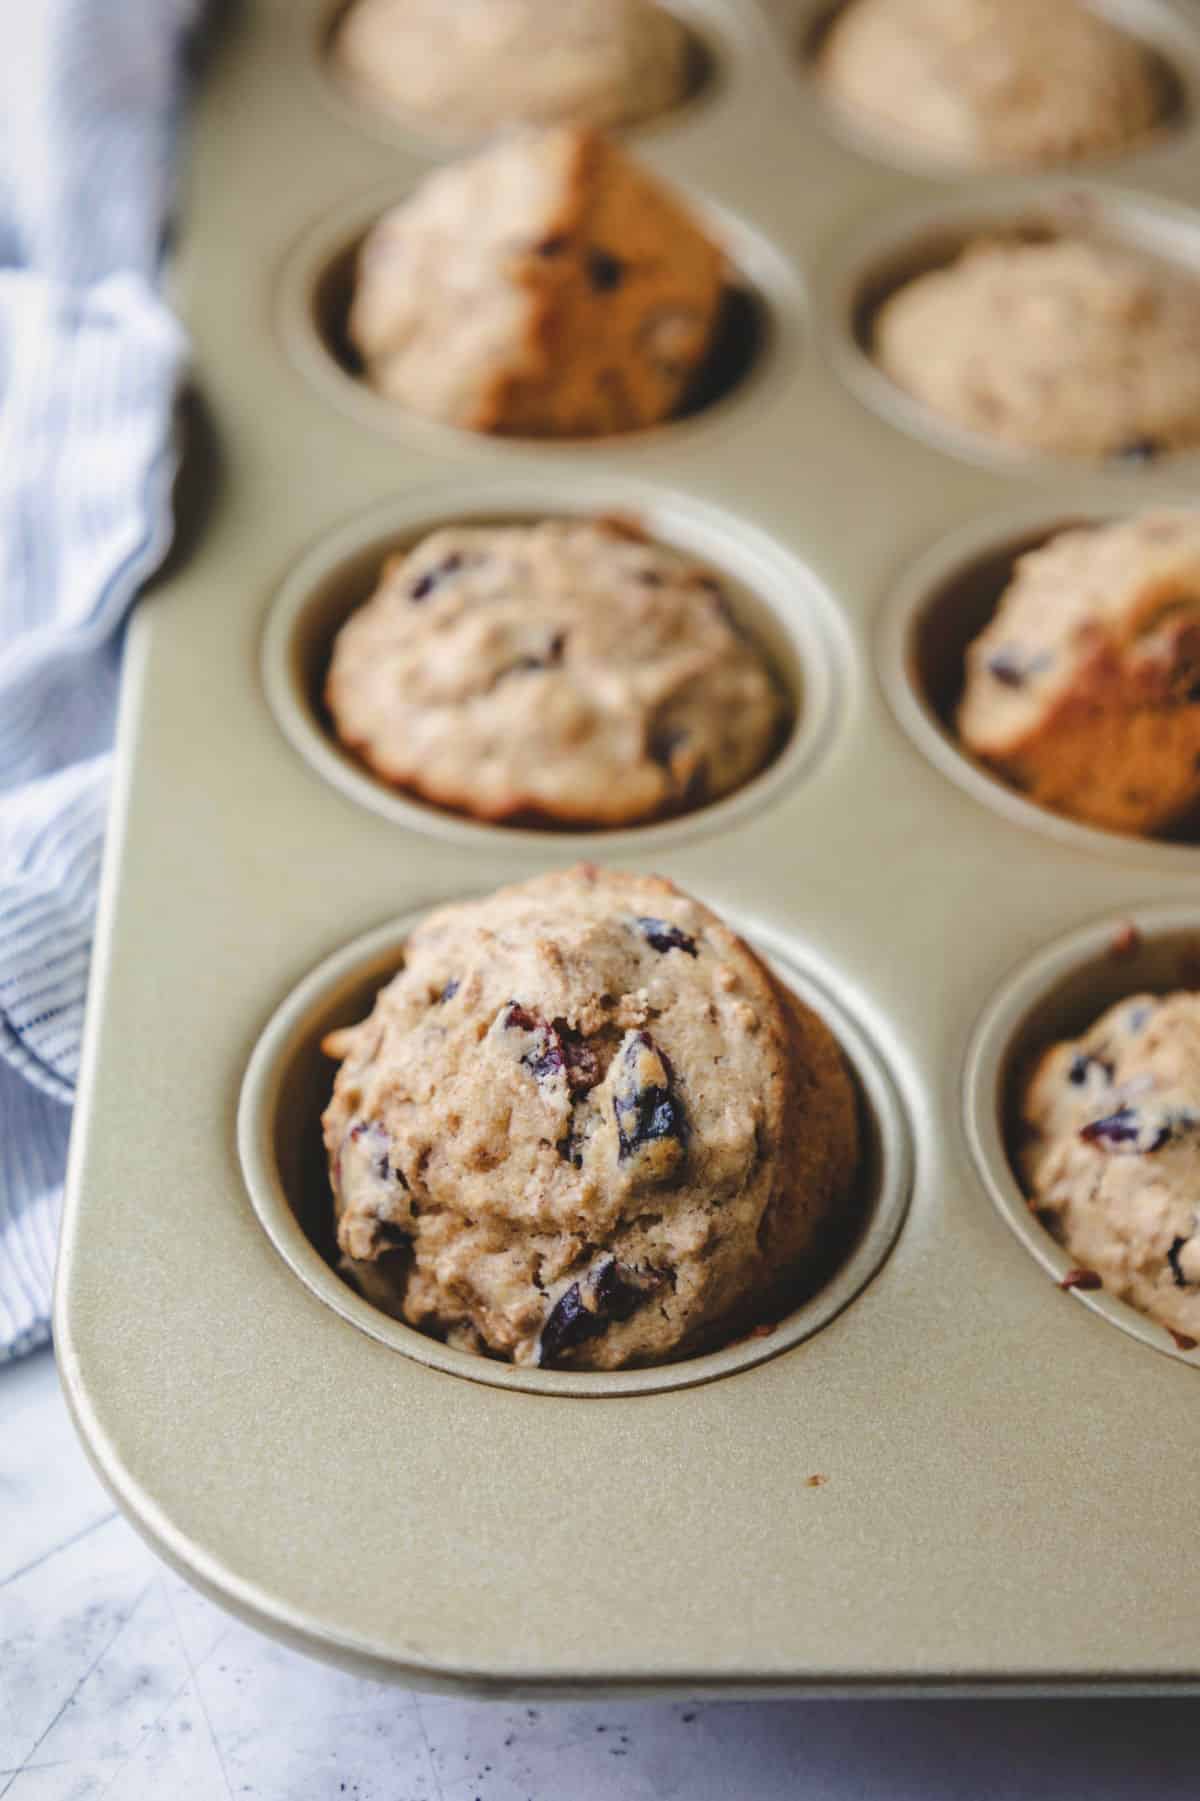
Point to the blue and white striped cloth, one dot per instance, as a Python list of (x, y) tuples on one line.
[(90, 362)]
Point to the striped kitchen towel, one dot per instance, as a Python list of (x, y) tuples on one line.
[(90, 362)]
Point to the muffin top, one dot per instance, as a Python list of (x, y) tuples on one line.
[(567, 673), (471, 66), (1094, 607), (1112, 1154), (584, 1125), (1064, 345), (999, 82)]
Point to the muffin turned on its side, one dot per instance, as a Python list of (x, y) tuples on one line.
[(585, 1126), (464, 67), (1084, 688), (549, 287), (566, 674)]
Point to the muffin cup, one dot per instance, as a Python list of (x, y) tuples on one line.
[(288, 1083), (775, 600), (891, 253), (939, 606), (1058, 994)]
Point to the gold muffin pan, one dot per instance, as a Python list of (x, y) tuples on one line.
[(941, 1472)]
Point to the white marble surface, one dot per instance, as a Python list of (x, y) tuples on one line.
[(117, 1681)]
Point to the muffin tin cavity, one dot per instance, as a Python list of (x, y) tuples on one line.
[(773, 597), (890, 253), (942, 604), (288, 1083), (1057, 995), (759, 325), (708, 54), (1168, 40)]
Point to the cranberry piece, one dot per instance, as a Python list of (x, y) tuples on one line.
[(662, 744), (650, 1119), (1082, 1067), (605, 271), (556, 1047), (424, 585), (567, 1324), (661, 935), (1081, 1278), (1181, 1280), (1013, 668), (1138, 450), (1132, 1131), (611, 1291)]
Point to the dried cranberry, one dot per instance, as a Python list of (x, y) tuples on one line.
[(1082, 1067), (1081, 1278), (567, 1324), (611, 1291), (662, 744), (1138, 450), (556, 1047), (650, 1119), (1013, 667), (661, 935), (425, 584), (1181, 1280), (1133, 1131), (605, 271)]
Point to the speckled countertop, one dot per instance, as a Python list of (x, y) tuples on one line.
[(117, 1681)]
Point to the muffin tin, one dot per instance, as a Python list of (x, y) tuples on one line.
[(944, 1473)]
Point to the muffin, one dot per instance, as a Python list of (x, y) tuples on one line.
[(1084, 688), (548, 287), (584, 1126), (466, 67), (991, 82), (1112, 1153), (1060, 345), (569, 673)]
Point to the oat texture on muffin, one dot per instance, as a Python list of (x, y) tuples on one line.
[(569, 673), (463, 67), (549, 287), (1111, 1153), (1084, 688), (991, 82), (1066, 345), (585, 1126)]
